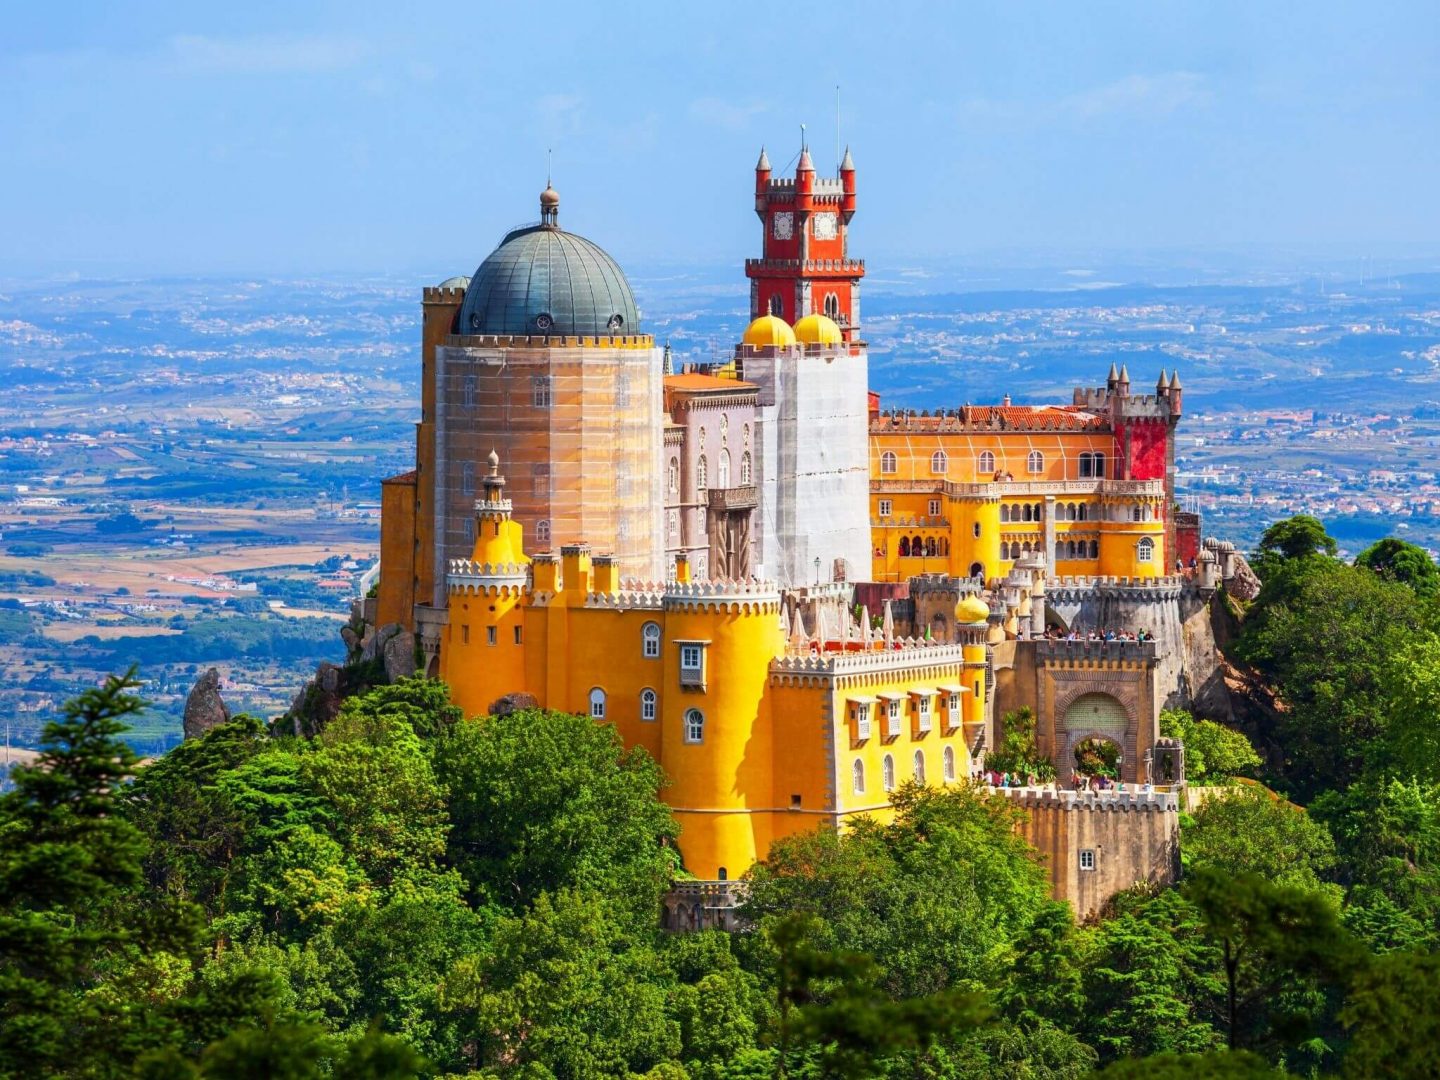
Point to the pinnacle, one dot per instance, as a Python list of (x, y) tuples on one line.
[(764, 162), (847, 164)]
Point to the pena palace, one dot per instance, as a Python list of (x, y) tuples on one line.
[(793, 598)]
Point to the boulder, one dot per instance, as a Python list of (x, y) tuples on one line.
[(373, 647), (205, 708), (399, 656), (512, 703)]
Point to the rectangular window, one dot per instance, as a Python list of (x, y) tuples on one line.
[(518, 638), (1087, 859), (469, 530), (540, 391), (469, 391), (884, 508), (490, 635), (934, 508), (953, 717), (922, 713), (892, 719), (861, 715), (692, 664), (465, 634)]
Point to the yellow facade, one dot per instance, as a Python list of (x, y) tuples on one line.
[(755, 730), (977, 501)]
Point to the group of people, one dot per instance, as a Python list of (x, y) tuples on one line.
[(1083, 782), (1054, 634)]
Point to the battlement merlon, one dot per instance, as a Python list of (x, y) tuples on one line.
[(434, 294), (1156, 801)]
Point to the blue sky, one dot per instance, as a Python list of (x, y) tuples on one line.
[(350, 136)]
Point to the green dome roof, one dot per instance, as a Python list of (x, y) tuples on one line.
[(543, 280)]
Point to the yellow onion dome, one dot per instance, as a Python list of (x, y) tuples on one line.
[(769, 330), (817, 329), (971, 609)]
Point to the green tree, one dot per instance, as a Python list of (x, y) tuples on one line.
[(1214, 754), (1279, 948), (543, 801), (1410, 745), (1293, 538), (1018, 750), (1214, 1065), (1324, 635), (1393, 1018), (935, 898), (1248, 830), (1406, 563), (563, 986)]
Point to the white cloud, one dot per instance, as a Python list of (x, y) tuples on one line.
[(724, 114), (560, 112), (266, 54), (1144, 95)]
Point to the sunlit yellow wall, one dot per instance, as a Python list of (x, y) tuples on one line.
[(914, 450)]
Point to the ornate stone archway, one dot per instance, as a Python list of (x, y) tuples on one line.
[(1096, 709)]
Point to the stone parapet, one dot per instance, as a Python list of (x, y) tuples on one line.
[(1049, 651), (1154, 801), (745, 596)]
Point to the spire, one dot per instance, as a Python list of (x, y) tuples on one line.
[(1164, 382), (806, 165), (668, 367), (1125, 374), (847, 164), (1175, 379), (1113, 374), (763, 165)]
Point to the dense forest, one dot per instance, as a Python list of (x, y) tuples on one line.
[(416, 893)]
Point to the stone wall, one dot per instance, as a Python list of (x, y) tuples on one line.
[(1130, 838)]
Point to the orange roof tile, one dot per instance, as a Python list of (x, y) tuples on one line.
[(694, 381)]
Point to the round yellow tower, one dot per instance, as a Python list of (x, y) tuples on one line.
[(715, 745), (483, 656)]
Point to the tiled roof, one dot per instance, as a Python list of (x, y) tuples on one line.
[(995, 418), (402, 478), (694, 381)]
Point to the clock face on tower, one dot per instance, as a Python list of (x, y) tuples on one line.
[(783, 225), (826, 226)]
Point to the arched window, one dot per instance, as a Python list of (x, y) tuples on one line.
[(674, 475), (647, 704), (745, 475), (597, 704), (931, 549), (832, 306), (542, 532), (904, 547), (1004, 513), (1027, 513), (724, 471), (947, 762), (469, 391), (1070, 549), (1084, 466), (887, 773), (1081, 513), (694, 726), (920, 766), (702, 473), (467, 478), (1035, 462), (888, 462), (1135, 513), (1099, 465), (1026, 549), (917, 548), (777, 306), (857, 777), (986, 463), (1145, 550), (650, 641), (939, 463)]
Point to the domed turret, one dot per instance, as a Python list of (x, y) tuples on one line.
[(817, 329), (543, 280), (769, 330), (971, 610)]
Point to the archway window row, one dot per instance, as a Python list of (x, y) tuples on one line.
[(929, 547), (1072, 512), (1077, 549), (1022, 512)]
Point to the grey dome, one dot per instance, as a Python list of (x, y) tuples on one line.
[(543, 280)]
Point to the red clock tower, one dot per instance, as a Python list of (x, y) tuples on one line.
[(805, 268)]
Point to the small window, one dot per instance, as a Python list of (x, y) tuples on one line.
[(694, 726), (540, 481), (467, 478), (976, 530), (777, 306), (1145, 550), (692, 665), (892, 719), (647, 704), (887, 773), (542, 532), (884, 507), (674, 475), (1004, 514), (920, 766), (1087, 859), (597, 704), (491, 637), (857, 778), (947, 762), (939, 463), (888, 463), (465, 634), (650, 641), (860, 713), (1099, 465), (469, 391), (702, 473), (519, 635), (470, 530), (721, 874), (797, 801), (724, 471), (1135, 513), (832, 306), (1035, 462), (986, 463), (540, 391), (746, 473), (922, 714), (934, 508)]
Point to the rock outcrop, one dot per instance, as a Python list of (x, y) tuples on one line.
[(512, 703), (205, 708)]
